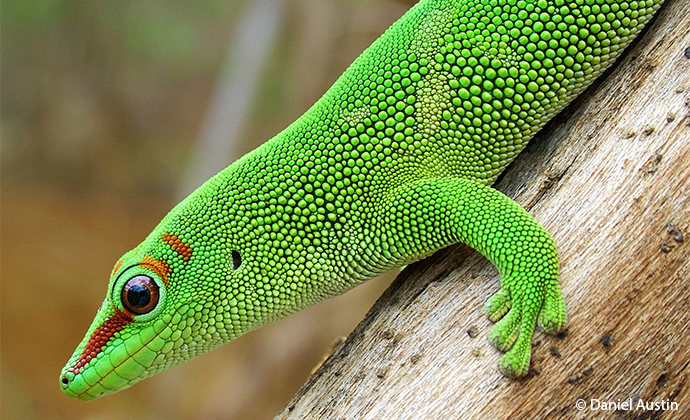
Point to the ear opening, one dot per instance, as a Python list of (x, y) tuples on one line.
[(236, 260)]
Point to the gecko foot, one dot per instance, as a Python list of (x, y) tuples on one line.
[(516, 315)]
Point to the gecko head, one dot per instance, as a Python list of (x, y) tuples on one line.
[(220, 264), (159, 311)]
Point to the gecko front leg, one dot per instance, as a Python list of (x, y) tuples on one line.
[(448, 210)]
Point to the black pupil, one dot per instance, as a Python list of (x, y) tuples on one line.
[(138, 296)]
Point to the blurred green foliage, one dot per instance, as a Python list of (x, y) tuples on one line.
[(93, 86)]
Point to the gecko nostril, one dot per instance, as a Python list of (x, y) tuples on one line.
[(65, 381)]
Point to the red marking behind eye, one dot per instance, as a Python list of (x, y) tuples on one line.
[(100, 338), (157, 266), (183, 249)]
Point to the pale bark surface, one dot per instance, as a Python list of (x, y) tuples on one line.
[(610, 179)]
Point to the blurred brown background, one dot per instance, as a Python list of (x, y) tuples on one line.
[(103, 103)]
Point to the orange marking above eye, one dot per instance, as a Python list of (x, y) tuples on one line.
[(157, 266), (183, 249), (100, 338), (116, 268)]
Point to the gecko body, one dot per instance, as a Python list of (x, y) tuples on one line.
[(394, 162)]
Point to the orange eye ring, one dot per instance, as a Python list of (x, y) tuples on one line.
[(140, 295)]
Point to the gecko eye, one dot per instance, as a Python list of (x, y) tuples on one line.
[(140, 294)]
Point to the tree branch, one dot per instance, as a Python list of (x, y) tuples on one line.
[(611, 182)]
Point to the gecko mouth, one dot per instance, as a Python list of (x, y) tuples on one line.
[(116, 360), (99, 339), (114, 370)]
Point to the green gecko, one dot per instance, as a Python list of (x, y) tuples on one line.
[(394, 162)]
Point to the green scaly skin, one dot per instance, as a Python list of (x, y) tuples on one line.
[(394, 162)]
